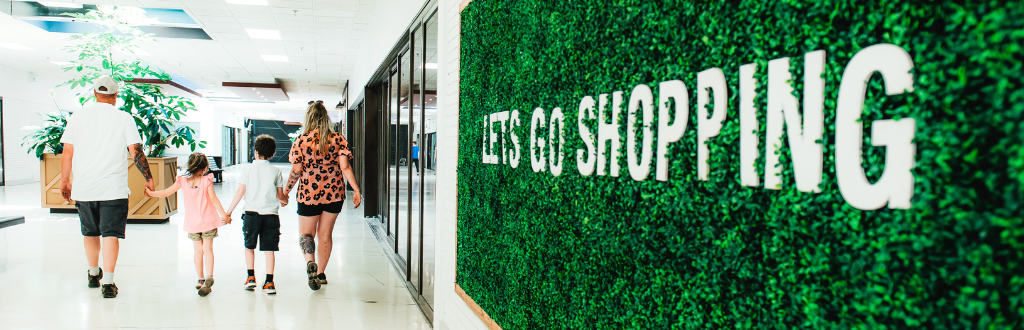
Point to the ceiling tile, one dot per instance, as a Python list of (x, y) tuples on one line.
[(297, 37), (303, 24), (253, 14), (344, 13), (205, 4), (289, 4), (160, 3), (258, 23)]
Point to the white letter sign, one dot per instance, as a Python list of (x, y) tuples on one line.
[(708, 127), (896, 186), (675, 90), (783, 106), (537, 160), (641, 97), (556, 126), (586, 167), (748, 126)]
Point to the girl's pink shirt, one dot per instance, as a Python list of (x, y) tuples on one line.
[(200, 214)]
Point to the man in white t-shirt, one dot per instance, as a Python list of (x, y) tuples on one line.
[(97, 142)]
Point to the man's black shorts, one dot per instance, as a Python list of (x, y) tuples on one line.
[(313, 210), (103, 218), (265, 227)]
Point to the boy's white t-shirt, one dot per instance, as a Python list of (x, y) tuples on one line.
[(100, 134), (261, 180)]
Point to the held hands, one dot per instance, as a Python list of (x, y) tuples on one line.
[(284, 202), (150, 188), (65, 191), (227, 219)]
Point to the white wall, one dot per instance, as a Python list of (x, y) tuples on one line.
[(24, 104), (389, 21), (210, 121), (450, 312)]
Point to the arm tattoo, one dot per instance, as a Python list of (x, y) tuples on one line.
[(307, 244), (141, 163), (293, 178)]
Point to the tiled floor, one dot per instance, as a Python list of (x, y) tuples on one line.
[(42, 269)]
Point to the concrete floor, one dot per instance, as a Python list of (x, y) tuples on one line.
[(43, 266)]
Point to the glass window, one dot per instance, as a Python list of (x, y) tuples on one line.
[(428, 161), (403, 126)]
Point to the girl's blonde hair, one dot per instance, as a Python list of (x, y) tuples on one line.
[(318, 120), (197, 163)]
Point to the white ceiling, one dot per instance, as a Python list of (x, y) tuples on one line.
[(319, 37)]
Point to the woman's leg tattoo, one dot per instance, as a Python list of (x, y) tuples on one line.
[(307, 244)]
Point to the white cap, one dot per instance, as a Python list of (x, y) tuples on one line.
[(105, 85)]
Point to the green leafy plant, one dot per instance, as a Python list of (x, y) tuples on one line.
[(154, 112), (47, 137), (599, 252)]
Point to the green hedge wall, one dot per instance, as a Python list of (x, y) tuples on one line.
[(597, 252)]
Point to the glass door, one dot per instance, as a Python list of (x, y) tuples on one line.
[(403, 124), (393, 113), (415, 178), (428, 180)]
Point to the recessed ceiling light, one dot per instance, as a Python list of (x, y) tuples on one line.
[(431, 65), (60, 4), (264, 34), (248, 2), (256, 92), (15, 46), (62, 63), (275, 58)]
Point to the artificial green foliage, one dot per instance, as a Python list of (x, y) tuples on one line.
[(600, 252), (98, 54)]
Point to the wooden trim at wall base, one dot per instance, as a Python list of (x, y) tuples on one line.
[(476, 309), (463, 4)]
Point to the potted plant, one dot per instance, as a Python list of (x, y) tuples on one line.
[(155, 112)]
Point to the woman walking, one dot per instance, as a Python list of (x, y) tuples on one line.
[(319, 157)]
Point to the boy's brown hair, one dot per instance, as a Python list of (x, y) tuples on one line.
[(266, 146)]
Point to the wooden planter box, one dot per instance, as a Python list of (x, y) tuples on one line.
[(141, 209)]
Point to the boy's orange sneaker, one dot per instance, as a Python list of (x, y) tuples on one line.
[(250, 283), (269, 288)]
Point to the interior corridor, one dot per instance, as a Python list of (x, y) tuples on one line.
[(43, 266)]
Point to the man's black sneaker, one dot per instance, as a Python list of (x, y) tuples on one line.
[(109, 290), (314, 282), (323, 278), (94, 281)]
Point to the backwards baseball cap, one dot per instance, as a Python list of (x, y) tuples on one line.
[(106, 85)]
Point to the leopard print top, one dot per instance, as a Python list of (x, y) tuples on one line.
[(321, 181)]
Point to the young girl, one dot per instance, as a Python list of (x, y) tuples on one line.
[(203, 214)]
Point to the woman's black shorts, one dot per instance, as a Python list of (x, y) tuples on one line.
[(312, 210)]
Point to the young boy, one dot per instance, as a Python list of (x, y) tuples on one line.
[(262, 185)]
